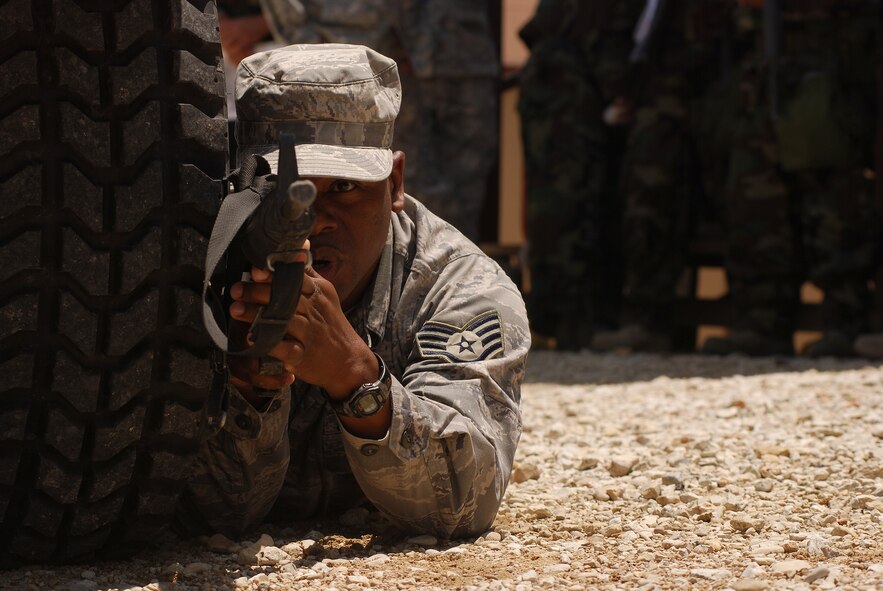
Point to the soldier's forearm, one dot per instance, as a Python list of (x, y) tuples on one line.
[(239, 472), (435, 471)]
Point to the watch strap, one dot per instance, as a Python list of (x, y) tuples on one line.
[(367, 399)]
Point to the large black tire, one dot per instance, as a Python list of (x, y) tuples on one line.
[(113, 144)]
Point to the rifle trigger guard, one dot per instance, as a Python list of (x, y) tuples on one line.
[(288, 256)]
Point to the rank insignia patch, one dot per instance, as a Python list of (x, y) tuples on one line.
[(479, 339)]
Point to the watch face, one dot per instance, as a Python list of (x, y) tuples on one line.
[(366, 404)]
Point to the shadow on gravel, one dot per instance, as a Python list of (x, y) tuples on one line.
[(306, 550), (609, 368)]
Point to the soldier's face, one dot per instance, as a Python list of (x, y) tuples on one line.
[(352, 222)]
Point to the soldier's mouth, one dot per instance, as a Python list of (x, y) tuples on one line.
[(324, 267), (324, 260)]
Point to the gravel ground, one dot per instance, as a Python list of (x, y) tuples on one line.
[(634, 472)]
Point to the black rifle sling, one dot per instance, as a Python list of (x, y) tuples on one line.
[(272, 320), (271, 324)]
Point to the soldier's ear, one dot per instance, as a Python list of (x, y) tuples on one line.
[(397, 181)]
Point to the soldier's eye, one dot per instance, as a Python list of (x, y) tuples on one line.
[(342, 186)]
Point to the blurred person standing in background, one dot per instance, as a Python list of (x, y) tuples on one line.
[(871, 344), (799, 200), (579, 51), (243, 27), (244, 31), (673, 67)]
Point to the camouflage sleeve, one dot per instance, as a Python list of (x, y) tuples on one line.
[(239, 471), (363, 22), (288, 21), (445, 463)]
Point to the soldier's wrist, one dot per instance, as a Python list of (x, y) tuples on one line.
[(363, 370)]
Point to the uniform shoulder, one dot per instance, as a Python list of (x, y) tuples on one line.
[(435, 242)]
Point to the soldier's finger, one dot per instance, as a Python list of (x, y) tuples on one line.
[(261, 275), (290, 352), (298, 325), (254, 293), (309, 285), (244, 312)]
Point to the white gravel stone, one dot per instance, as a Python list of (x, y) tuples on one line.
[(764, 485), (789, 567), (819, 572), (377, 560), (307, 544), (271, 555), (753, 571), (768, 549), (221, 544), (424, 540), (712, 574), (195, 568), (523, 472), (248, 555), (674, 478), (622, 465), (750, 585), (747, 524), (587, 463)]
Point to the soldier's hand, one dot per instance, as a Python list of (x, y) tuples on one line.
[(245, 371), (240, 34), (321, 347), (619, 112)]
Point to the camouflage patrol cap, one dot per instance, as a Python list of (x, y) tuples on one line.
[(340, 101)]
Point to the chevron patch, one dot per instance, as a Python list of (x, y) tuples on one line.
[(479, 339)]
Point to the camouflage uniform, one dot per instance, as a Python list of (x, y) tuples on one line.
[(449, 68), (799, 204), (661, 177), (449, 324), (579, 50), (871, 344), (453, 332)]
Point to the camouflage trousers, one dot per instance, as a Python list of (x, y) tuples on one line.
[(447, 128), (783, 228), (657, 184), (799, 202), (571, 213)]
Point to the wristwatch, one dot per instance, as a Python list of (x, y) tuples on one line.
[(367, 399)]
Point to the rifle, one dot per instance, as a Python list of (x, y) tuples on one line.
[(266, 221), (274, 237)]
